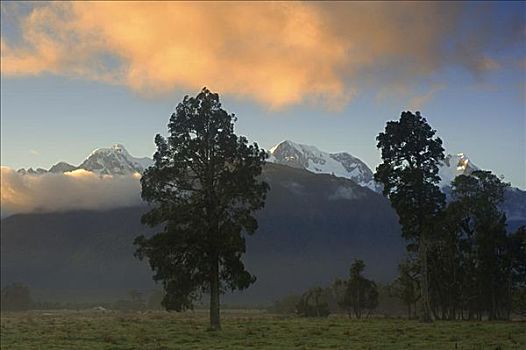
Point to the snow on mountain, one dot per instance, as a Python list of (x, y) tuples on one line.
[(345, 165), (453, 166), (114, 161), (312, 159)]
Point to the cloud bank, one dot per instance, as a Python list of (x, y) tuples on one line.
[(79, 189), (275, 53)]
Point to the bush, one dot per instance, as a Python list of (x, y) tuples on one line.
[(286, 305), (314, 303)]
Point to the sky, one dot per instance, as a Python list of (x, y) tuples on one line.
[(82, 75)]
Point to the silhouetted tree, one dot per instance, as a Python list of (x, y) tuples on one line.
[(314, 303), (486, 253), (204, 187), (411, 155), (448, 271), (16, 297), (518, 270), (406, 287), (360, 294)]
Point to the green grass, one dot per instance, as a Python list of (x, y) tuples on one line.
[(246, 330)]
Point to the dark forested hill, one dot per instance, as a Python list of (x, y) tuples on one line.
[(312, 227)]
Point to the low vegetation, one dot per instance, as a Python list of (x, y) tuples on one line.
[(249, 329)]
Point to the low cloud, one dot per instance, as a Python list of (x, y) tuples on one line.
[(275, 53), (79, 189)]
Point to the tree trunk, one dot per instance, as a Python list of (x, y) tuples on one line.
[(426, 307), (215, 320)]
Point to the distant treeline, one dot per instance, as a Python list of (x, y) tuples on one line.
[(461, 262), (17, 297)]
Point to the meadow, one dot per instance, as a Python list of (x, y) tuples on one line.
[(250, 329)]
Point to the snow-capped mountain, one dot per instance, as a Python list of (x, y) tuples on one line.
[(312, 159), (114, 160), (345, 165), (453, 166)]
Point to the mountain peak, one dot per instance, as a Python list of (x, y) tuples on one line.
[(284, 143), (62, 167), (314, 160), (454, 165), (115, 148), (114, 160)]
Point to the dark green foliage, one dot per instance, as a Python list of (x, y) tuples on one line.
[(204, 188), (518, 270), (407, 285), (16, 297), (485, 265), (519, 301), (475, 266), (411, 155), (314, 303), (358, 294)]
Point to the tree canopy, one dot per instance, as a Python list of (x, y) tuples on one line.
[(411, 155), (358, 294), (204, 187)]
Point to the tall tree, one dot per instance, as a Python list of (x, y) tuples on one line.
[(204, 187), (411, 155), (479, 197)]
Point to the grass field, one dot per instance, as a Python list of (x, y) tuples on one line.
[(246, 330)]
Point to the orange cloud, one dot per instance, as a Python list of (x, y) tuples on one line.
[(273, 52)]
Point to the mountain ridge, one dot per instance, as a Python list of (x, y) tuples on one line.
[(117, 161), (113, 160), (311, 228)]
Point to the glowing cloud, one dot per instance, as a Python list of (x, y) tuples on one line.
[(79, 189), (275, 53)]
